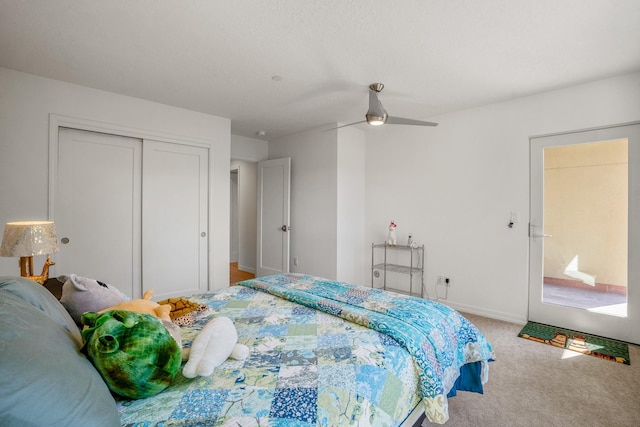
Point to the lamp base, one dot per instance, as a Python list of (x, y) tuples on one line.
[(26, 269), (26, 266)]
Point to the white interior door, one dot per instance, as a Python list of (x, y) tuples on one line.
[(97, 210), (274, 177), (585, 231), (174, 229)]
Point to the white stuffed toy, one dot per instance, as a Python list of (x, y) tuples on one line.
[(216, 342), (392, 234)]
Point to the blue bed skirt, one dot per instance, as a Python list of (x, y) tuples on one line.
[(470, 379)]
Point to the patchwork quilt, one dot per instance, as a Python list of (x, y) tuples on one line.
[(308, 367), (439, 338)]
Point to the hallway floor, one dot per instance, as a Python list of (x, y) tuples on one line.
[(236, 275)]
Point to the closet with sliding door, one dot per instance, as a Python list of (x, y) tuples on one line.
[(131, 212)]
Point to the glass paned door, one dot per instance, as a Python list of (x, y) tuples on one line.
[(582, 231)]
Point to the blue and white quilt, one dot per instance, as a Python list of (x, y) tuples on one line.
[(323, 353)]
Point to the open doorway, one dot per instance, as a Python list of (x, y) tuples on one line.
[(242, 220), (233, 218), (585, 209)]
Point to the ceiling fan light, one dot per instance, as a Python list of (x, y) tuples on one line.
[(376, 119), (376, 115)]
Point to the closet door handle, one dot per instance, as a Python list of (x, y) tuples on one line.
[(285, 228)]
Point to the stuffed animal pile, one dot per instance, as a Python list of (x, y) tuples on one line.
[(136, 345)]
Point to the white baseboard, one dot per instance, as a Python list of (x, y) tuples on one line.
[(492, 314), (247, 269)]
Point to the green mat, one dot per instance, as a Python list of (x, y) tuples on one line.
[(591, 345)]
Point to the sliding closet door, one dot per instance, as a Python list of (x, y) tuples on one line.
[(132, 213), (175, 213), (97, 208)]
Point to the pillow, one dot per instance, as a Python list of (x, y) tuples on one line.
[(39, 297), (44, 379)]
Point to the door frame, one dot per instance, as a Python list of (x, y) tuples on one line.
[(569, 317)]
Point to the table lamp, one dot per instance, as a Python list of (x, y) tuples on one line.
[(25, 239)]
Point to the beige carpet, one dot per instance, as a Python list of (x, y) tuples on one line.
[(530, 384)]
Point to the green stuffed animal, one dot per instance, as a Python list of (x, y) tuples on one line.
[(134, 352)]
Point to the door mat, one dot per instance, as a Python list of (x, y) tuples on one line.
[(591, 345)]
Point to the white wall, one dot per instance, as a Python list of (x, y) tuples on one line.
[(455, 185), (313, 200), (25, 104), (248, 149), (327, 201), (351, 205)]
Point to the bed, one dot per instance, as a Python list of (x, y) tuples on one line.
[(322, 353)]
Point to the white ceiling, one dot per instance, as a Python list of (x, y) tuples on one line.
[(219, 57)]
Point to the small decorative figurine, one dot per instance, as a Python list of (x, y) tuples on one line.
[(44, 276), (392, 234)]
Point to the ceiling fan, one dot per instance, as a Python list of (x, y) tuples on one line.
[(377, 115)]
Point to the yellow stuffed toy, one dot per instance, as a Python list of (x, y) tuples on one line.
[(161, 311), (144, 305)]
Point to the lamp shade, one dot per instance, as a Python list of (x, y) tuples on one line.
[(29, 238)]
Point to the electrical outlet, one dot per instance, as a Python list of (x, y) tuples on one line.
[(443, 281)]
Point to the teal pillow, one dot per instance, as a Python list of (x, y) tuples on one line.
[(39, 297), (44, 379)]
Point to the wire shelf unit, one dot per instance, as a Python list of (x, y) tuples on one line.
[(413, 268)]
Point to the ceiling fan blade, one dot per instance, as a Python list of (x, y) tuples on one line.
[(344, 126), (402, 121), (377, 115)]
